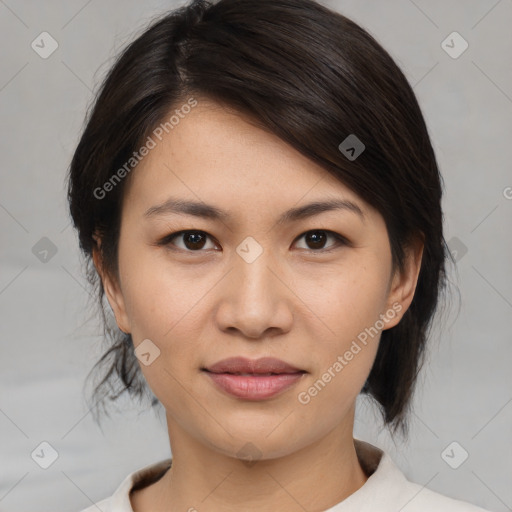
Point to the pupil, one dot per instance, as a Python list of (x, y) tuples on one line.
[(196, 238), (318, 239)]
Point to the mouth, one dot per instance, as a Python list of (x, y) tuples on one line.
[(254, 374), (253, 380), (244, 366)]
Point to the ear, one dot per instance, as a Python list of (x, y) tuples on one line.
[(112, 289), (403, 284)]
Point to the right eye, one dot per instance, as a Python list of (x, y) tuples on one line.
[(193, 240)]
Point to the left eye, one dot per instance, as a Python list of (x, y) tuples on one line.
[(318, 237), (195, 240)]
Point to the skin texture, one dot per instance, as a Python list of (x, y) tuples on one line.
[(295, 302)]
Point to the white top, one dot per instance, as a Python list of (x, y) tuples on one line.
[(386, 490)]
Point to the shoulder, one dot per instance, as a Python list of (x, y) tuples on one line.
[(420, 499), (389, 490), (120, 501)]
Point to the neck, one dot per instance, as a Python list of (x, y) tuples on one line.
[(315, 477)]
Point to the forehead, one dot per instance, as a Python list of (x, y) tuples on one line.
[(216, 155)]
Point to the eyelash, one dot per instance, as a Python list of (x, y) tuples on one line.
[(340, 240)]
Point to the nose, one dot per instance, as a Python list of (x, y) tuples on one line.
[(255, 301)]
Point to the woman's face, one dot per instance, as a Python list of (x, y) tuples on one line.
[(251, 285)]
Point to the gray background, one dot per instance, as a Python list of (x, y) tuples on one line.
[(47, 346)]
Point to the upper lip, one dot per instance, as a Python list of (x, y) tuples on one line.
[(256, 366)]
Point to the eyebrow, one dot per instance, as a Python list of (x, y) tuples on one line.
[(203, 210)]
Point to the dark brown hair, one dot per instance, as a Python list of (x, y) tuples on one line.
[(308, 75)]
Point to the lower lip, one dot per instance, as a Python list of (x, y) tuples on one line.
[(251, 387)]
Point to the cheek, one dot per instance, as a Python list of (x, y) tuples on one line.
[(166, 306), (344, 354), (345, 300), (341, 313), (157, 295), (163, 310)]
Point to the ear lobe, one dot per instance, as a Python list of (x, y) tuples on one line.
[(404, 283), (112, 290)]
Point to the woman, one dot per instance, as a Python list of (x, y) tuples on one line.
[(261, 203)]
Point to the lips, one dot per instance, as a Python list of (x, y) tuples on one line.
[(253, 380), (244, 366)]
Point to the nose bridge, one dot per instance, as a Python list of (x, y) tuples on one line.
[(252, 272), (256, 299)]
